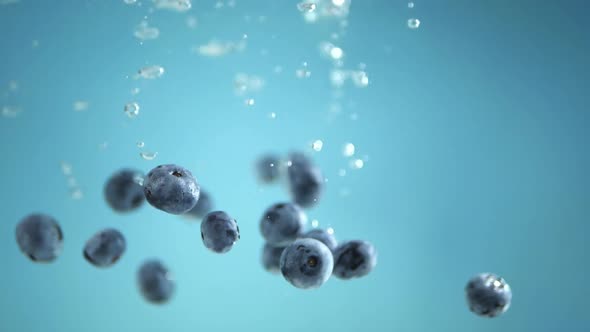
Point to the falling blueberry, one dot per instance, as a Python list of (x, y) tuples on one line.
[(172, 189), (271, 258), (305, 180), (488, 295), (354, 259), (155, 282), (307, 263), (267, 168), (39, 237), (323, 236), (122, 191), (282, 223), (105, 248), (204, 205), (219, 232)]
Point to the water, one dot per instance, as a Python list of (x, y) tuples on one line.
[(476, 128)]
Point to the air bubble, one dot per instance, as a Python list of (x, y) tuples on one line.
[(315, 223), (173, 5), (306, 7), (80, 106), (317, 145), (132, 110), (273, 115), (413, 23), (144, 32), (342, 172), (249, 102), (357, 164), (150, 72), (140, 144), (148, 155), (348, 150), (410, 5)]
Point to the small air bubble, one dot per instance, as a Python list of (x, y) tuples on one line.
[(140, 144), (132, 110), (306, 7), (148, 155), (315, 223), (330, 230), (342, 172), (80, 106), (410, 5), (357, 164), (273, 115), (413, 23), (317, 145), (348, 150), (249, 102)]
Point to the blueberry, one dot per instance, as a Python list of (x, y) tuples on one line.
[(488, 295), (171, 188), (305, 180), (323, 236), (122, 192), (282, 223), (307, 263), (39, 237), (204, 205), (155, 282), (354, 259), (219, 232), (271, 258), (105, 248), (267, 168)]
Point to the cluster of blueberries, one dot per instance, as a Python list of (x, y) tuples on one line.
[(305, 259)]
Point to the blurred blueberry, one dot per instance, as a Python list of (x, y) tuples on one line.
[(105, 248), (354, 259), (219, 232), (488, 295), (155, 282), (39, 237), (204, 205), (122, 192), (271, 258), (282, 223), (305, 180), (307, 263), (267, 168), (172, 189), (323, 236)]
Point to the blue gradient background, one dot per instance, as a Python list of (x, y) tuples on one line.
[(476, 126)]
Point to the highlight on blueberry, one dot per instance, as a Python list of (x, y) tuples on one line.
[(267, 168), (204, 205), (155, 282), (488, 295), (219, 232), (171, 188), (39, 237), (323, 236), (354, 259), (307, 263), (305, 180), (105, 248), (282, 223), (271, 258), (122, 192)]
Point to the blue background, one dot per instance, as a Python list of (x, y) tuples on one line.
[(476, 126)]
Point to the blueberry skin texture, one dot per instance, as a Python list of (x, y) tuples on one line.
[(307, 263), (204, 205), (219, 232), (271, 258), (323, 236), (105, 248), (267, 168), (282, 223), (155, 282), (122, 192), (488, 295), (306, 182), (354, 259), (172, 189), (39, 237)]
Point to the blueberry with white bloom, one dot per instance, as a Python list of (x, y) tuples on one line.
[(307, 263), (39, 237), (282, 223), (219, 232), (105, 248), (172, 189), (354, 259), (488, 295)]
